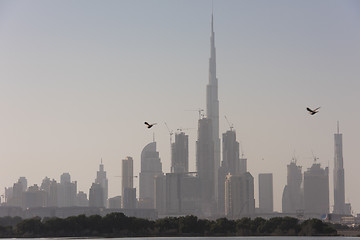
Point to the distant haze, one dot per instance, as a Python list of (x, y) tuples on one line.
[(79, 78)]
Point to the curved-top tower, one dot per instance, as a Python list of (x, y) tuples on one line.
[(150, 167)]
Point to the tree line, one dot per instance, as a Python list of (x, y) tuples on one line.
[(119, 225)]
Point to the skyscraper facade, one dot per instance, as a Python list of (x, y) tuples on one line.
[(180, 153), (266, 199), (127, 178), (212, 105), (239, 196), (316, 190), (102, 180), (205, 166), (230, 164), (292, 199), (339, 182), (150, 167)]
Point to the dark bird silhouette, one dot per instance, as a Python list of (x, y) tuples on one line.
[(149, 125), (312, 112)]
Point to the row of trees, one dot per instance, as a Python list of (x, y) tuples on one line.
[(119, 225)]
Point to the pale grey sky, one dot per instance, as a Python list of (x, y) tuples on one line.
[(79, 78)]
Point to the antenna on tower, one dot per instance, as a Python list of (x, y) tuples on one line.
[(338, 127), (230, 125)]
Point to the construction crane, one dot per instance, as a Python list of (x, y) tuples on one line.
[(241, 150), (128, 176), (199, 110), (230, 125), (181, 129), (171, 132)]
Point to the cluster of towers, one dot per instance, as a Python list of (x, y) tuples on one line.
[(217, 188)]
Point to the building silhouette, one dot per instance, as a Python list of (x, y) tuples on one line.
[(129, 198), (316, 190), (239, 196), (102, 180), (14, 196), (66, 191), (212, 106), (81, 199), (292, 199), (266, 199), (150, 167), (127, 178), (96, 196), (35, 197), (180, 153), (339, 181), (205, 166), (115, 202), (230, 164)]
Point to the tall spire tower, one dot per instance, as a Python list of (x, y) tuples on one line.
[(212, 102), (339, 182)]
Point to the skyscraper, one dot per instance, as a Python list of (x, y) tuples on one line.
[(150, 167), (230, 164), (212, 104), (339, 182), (316, 190), (127, 178), (180, 153), (266, 200), (239, 196), (292, 199), (205, 166), (66, 191), (102, 180)]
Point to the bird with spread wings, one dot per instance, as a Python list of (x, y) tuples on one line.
[(149, 125), (311, 111)]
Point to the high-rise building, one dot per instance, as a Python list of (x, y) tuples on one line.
[(66, 191), (205, 166), (180, 153), (23, 182), (266, 202), (150, 167), (230, 164), (212, 105), (34, 197), (292, 199), (15, 195), (81, 199), (127, 175), (339, 182), (103, 181), (53, 194), (239, 196), (316, 190), (129, 198), (96, 196), (115, 202), (65, 177)]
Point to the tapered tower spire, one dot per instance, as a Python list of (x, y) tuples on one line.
[(212, 102)]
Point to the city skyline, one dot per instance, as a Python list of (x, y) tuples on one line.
[(73, 90)]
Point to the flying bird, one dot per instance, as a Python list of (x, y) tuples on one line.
[(312, 112), (149, 125)]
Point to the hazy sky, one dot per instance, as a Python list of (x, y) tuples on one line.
[(79, 78)]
